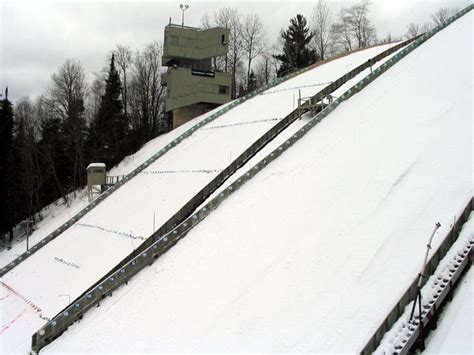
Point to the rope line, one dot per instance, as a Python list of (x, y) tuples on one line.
[(123, 234), (47, 319), (242, 123), (9, 324), (61, 260), (6, 296), (295, 87), (23, 298), (203, 171)]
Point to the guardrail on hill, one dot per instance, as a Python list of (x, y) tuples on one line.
[(410, 294), (460, 264), (166, 237), (147, 163)]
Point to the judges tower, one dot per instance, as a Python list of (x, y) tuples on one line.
[(193, 85)]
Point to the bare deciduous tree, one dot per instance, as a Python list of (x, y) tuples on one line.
[(146, 92), (235, 50), (427, 26), (228, 18), (253, 40), (442, 15), (322, 28), (68, 87), (206, 21), (341, 31), (66, 98), (123, 58), (266, 69), (354, 27), (360, 25), (413, 30), (96, 91), (27, 132)]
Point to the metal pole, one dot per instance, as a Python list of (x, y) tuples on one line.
[(131, 241), (183, 9), (422, 273), (299, 102), (428, 248)]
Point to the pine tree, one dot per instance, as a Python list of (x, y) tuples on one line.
[(27, 167), (109, 129), (66, 101), (296, 53), (54, 159), (6, 165)]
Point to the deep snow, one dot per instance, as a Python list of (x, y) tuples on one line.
[(312, 254), (44, 283)]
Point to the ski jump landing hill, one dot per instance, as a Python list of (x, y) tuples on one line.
[(52, 276), (349, 204)]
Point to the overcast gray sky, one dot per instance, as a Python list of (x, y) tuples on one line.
[(36, 37)]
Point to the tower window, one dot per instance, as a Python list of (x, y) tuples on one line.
[(223, 90)]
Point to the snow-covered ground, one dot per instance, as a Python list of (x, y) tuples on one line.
[(455, 332), (58, 213), (312, 254), (44, 283), (54, 215)]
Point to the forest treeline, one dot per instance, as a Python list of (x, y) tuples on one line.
[(47, 142)]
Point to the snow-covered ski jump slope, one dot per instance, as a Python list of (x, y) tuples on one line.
[(45, 283), (313, 252)]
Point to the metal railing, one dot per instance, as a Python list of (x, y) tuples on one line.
[(460, 264), (113, 179), (187, 217), (410, 294)]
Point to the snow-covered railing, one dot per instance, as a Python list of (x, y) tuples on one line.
[(410, 294), (144, 165), (406, 336), (187, 217)]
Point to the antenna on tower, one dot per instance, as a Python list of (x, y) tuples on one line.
[(183, 8)]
